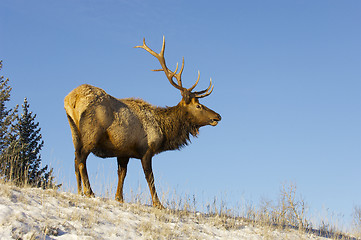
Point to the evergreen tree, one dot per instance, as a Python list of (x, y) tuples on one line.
[(26, 145), (7, 116), (29, 143), (20, 145), (23, 155)]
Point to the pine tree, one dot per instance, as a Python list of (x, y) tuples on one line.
[(26, 143), (20, 144), (7, 116)]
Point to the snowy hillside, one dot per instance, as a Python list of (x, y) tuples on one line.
[(28, 213)]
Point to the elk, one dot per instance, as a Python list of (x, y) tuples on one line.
[(132, 128)]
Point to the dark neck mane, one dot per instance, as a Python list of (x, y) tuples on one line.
[(176, 126)]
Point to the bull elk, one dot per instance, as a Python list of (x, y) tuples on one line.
[(132, 128)]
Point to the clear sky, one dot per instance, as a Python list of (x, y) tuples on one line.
[(286, 76)]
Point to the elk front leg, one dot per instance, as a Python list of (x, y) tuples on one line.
[(148, 172), (122, 172)]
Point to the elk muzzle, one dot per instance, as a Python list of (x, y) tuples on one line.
[(214, 121)]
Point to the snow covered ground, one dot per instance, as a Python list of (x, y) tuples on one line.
[(28, 213)]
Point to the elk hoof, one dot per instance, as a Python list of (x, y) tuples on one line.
[(158, 205), (89, 194), (119, 199)]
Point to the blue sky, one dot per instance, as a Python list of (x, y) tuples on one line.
[(286, 76)]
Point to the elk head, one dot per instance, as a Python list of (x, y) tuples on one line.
[(200, 114)]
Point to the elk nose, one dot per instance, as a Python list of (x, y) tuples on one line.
[(219, 117)]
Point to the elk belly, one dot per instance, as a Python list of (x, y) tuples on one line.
[(122, 141)]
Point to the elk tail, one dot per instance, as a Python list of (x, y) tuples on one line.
[(74, 132)]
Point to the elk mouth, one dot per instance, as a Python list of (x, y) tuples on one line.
[(213, 122)]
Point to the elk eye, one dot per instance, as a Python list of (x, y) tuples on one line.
[(199, 106)]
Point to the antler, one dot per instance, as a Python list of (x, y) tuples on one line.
[(170, 74), (205, 93)]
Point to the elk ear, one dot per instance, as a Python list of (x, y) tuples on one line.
[(184, 103), (186, 96)]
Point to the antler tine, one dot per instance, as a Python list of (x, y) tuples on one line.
[(145, 47), (206, 90), (161, 59), (194, 85), (163, 47), (205, 93), (178, 76)]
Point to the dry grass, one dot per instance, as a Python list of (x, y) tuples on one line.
[(357, 221), (288, 213)]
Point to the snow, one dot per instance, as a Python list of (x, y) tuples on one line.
[(30, 213)]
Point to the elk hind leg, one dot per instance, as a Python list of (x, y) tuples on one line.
[(90, 132), (78, 176), (78, 149), (81, 162), (122, 172)]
